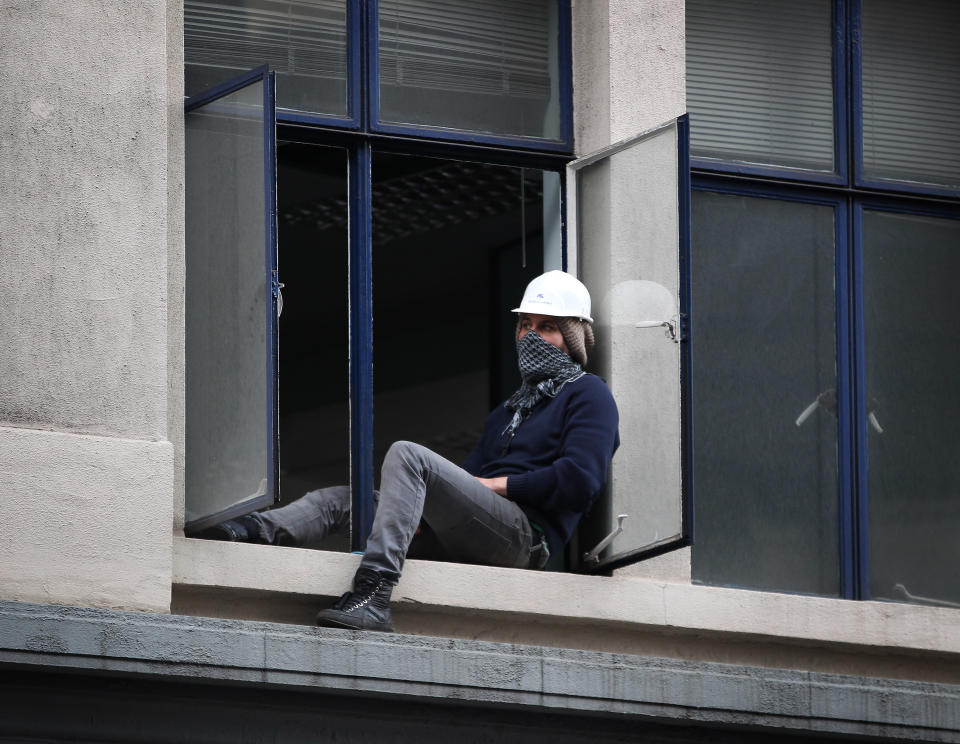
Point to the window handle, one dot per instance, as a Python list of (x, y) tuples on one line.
[(593, 556), (278, 293)]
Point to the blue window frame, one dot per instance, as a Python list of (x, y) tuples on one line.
[(363, 139), (561, 77), (653, 169), (232, 297), (855, 200), (225, 37)]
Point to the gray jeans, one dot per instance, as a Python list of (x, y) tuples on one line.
[(463, 520)]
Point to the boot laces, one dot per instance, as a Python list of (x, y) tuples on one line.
[(364, 593)]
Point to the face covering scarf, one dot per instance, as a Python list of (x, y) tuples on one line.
[(544, 370)]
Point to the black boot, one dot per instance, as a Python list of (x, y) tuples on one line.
[(244, 529), (367, 607)]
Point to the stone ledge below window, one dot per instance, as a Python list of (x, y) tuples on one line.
[(74, 657), (614, 614)]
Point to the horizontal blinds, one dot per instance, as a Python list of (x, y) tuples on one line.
[(759, 82), (304, 38), (911, 99), (479, 46)]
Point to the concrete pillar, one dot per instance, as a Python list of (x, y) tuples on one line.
[(87, 468)]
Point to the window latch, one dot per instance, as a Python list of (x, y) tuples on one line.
[(593, 557), (676, 327)]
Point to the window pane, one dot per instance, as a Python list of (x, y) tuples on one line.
[(478, 65), (764, 348), (454, 245), (628, 224), (303, 41), (913, 357), (314, 348), (759, 83), (227, 425), (911, 101)]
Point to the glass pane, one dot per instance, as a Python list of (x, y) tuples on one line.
[(303, 41), (912, 321), (764, 349), (314, 353), (627, 237), (227, 424), (759, 82), (911, 101), (454, 245), (478, 65)]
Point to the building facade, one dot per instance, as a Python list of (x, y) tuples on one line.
[(215, 305)]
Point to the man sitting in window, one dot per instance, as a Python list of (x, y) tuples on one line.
[(541, 461)]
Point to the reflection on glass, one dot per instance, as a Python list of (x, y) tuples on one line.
[(454, 245), (911, 100), (913, 353), (314, 348), (764, 349), (303, 41), (227, 433), (478, 65), (759, 82)]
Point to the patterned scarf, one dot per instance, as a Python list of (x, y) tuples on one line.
[(544, 369)]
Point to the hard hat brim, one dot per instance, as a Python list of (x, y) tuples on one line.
[(539, 311)]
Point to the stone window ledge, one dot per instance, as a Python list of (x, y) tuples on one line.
[(618, 614)]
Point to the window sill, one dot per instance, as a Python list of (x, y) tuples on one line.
[(619, 614)]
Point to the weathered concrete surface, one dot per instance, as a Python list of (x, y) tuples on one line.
[(619, 614), (86, 520), (176, 230), (419, 668), (83, 292), (629, 63), (672, 567), (83, 229)]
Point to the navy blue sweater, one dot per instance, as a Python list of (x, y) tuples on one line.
[(558, 460)]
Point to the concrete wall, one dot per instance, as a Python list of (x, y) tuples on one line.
[(176, 229), (83, 294), (629, 68), (390, 682)]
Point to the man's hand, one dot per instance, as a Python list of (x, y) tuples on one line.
[(497, 485)]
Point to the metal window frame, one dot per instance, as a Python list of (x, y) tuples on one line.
[(890, 205), (361, 152), (361, 138), (572, 263), (565, 72), (844, 269), (355, 43), (859, 179), (267, 77), (840, 173), (851, 194)]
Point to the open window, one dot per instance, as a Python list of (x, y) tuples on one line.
[(396, 270), (231, 301), (628, 217)]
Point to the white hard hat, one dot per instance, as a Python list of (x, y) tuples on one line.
[(556, 293)]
